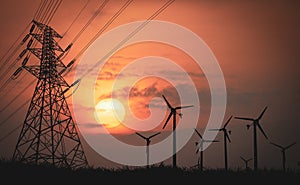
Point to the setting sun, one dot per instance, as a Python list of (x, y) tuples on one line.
[(109, 112)]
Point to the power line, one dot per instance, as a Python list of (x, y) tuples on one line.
[(56, 5), (40, 10), (53, 11), (112, 51), (116, 15), (12, 46), (37, 12), (100, 8), (80, 12), (141, 26), (10, 67), (13, 113), (46, 11), (48, 19), (34, 44), (112, 19), (16, 97), (11, 132)]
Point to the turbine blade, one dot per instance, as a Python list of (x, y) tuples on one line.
[(167, 102), (227, 136), (167, 120), (227, 122), (242, 158), (141, 135), (290, 145), (183, 107), (262, 113), (198, 133), (260, 128), (154, 135), (211, 141), (249, 119), (276, 145)]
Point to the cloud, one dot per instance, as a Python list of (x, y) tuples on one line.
[(107, 75), (196, 75), (90, 125), (121, 57), (149, 91)]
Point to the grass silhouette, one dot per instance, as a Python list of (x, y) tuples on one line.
[(30, 173)]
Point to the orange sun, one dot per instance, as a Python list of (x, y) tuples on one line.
[(109, 112)]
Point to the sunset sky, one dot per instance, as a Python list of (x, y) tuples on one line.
[(256, 44)]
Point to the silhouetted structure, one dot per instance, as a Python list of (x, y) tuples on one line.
[(173, 112), (200, 147), (283, 149), (246, 162), (49, 134), (255, 123), (226, 137), (147, 144)]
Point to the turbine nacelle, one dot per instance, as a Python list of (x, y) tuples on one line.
[(173, 110), (255, 122), (202, 140), (225, 131), (180, 114)]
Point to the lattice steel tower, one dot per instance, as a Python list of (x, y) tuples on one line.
[(49, 134)]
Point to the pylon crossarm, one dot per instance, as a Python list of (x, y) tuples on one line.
[(69, 66), (39, 25), (73, 84), (38, 37), (34, 70), (37, 52), (61, 81), (42, 27), (57, 47)]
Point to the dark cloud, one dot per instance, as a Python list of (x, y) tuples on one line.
[(90, 125), (149, 91), (107, 75)]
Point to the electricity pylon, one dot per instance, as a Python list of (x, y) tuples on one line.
[(49, 134)]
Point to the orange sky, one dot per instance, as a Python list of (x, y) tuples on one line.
[(255, 42)]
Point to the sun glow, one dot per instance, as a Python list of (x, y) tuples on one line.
[(109, 112)]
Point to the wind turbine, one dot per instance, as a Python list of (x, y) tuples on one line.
[(226, 137), (246, 161), (200, 147), (173, 113), (255, 123), (147, 144), (283, 149)]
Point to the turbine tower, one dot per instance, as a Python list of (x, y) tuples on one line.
[(255, 123), (49, 134), (200, 147), (226, 137), (147, 144), (173, 113), (283, 149)]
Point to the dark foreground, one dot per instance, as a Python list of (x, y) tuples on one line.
[(40, 174)]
